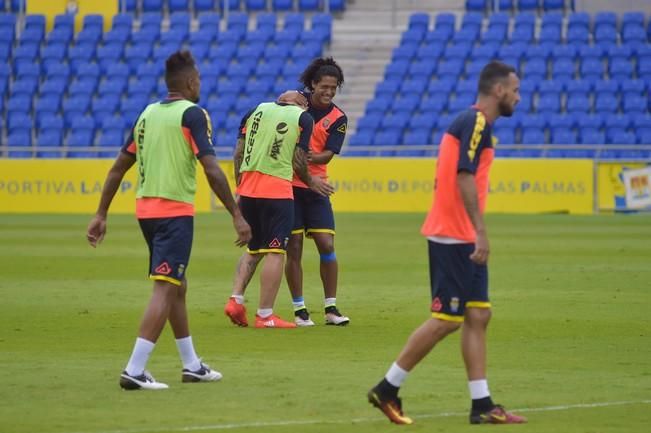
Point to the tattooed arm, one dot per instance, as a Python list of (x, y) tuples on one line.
[(237, 159)]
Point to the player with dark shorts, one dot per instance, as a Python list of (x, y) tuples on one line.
[(167, 140), (313, 215), (273, 142), (458, 252)]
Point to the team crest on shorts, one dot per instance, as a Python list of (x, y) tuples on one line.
[(275, 243), (163, 269), (454, 305), (181, 269), (436, 305)]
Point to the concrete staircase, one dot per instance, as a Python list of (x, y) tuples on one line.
[(363, 39)]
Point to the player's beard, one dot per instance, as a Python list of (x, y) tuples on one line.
[(506, 110)]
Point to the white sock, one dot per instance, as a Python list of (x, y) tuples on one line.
[(238, 298), (478, 389), (265, 312), (396, 375), (188, 355), (329, 302), (139, 357)]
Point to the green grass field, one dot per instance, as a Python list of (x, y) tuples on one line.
[(570, 340)]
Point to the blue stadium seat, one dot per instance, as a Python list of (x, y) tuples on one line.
[(369, 122), (643, 136), (422, 120), (380, 104), (591, 136), (433, 104), (590, 121), (20, 139), (621, 70), (618, 136), (634, 103), (115, 86), (606, 103), (417, 137), (118, 37), (18, 121), (591, 67), (396, 120), (441, 87), (549, 103), (563, 136), (93, 22), (634, 34), (52, 138), (642, 120), (361, 138), (418, 21), (152, 5), (229, 86), (83, 87), (110, 139), (122, 22), (550, 5), (64, 21), (450, 68), (618, 121), (533, 136), (527, 5), (578, 35), (562, 120), (476, 5), (337, 5), (308, 5), (606, 19), (387, 137), (461, 102), (396, 69), (47, 104), (606, 86), (578, 87), (535, 68), (422, 69), (19, 104), (406, 103), (282, 5), (430, 50), (107, 103), (563, 68), (605, 35), (128, 5), (579, 103), (24, 87), (84, 123)]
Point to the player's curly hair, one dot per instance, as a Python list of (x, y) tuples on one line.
[(319, 68), (177, 66)]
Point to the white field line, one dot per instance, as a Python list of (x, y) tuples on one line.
[(379, 418)]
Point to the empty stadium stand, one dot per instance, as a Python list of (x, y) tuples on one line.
[(585, 78)]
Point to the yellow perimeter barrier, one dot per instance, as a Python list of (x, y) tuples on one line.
[(516, 185), (363, 185)]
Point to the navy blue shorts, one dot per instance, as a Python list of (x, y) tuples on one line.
[(271, 223), (456, 281), (312, 213), (170, 242)]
